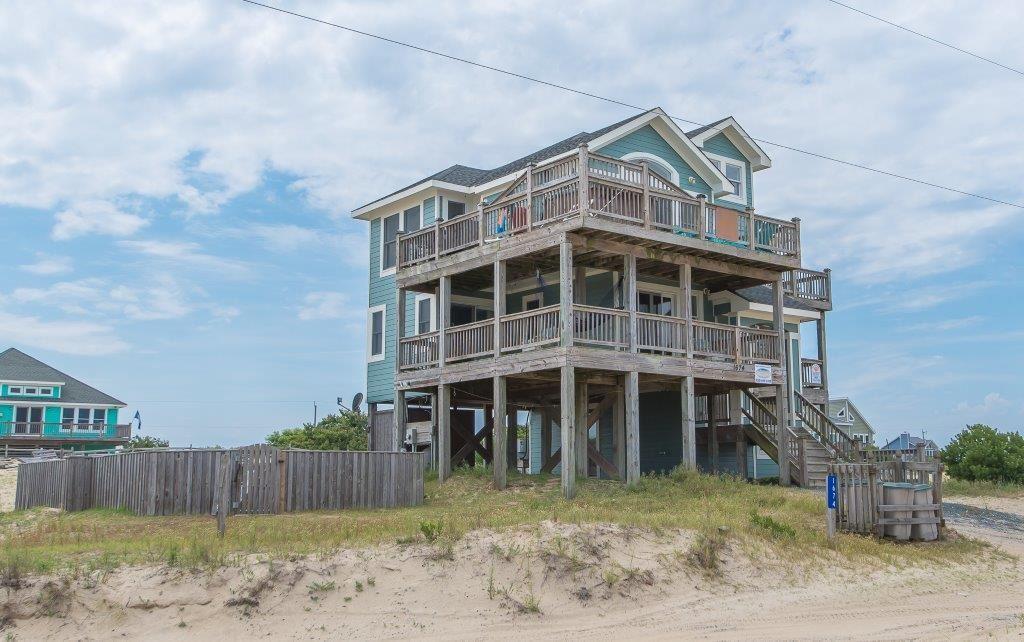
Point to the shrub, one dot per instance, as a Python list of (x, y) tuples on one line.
[(343, 431), (776, 529), (139, 442), (982, 453)]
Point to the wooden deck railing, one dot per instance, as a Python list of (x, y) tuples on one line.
[(839, 444), (62, 431), (600, 326), (659, 333), (810, 373), (531, 328), (616, 189), (809, 285), (469, 341), (419, 351)]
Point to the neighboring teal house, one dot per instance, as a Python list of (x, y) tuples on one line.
[(711, 224), (850, 420), (41, 407)]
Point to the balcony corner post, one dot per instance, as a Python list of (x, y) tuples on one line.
[(702, 214), (630, 280), (584, 174), (499, 306), (529, 195), (646, 208), (444, 295), (796, 237), (565, 293), (751, 238)]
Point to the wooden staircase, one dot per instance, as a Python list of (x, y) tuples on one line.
[(762, 431), (812, 446)]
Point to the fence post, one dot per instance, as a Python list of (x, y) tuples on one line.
[(223, 493), (282, 481)]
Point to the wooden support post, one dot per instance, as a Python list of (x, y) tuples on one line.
[(480, 220), (444, 303), (568, 435), (282, 481), (781, 391), (565, 302), (499, 456), (751, 238), (433, 431), (582, 428), (223, 493), (736, 419), (822, 352), (689, 424), (399, 326), (702, 213), (529, 195), (686, 292), (401, 421), (584, 173), (444, 432), (632, 398), (713, 435), (646, 207), (500, 272), (371, 427), (512, 443), (629, 279), (619, 425)]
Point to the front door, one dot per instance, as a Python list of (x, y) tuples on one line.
[(28, 420)]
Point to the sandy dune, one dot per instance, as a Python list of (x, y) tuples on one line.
[(596, 581)]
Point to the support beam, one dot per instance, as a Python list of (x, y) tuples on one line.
[(568, 435), (781, 391), (444, 303), (632, 428), (582, 426), (713, 435), (686, 307), (736, 419), (433, 431), (500, 271), (619, 426), (500, 435), (629, 292), (444, 432), (401, 421), (565, 302), (822, 351), (689, 424)]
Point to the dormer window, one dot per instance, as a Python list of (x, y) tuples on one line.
[(31, 391), (735, 171)]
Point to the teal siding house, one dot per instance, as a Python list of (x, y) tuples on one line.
[(619, 280), (41, 407)]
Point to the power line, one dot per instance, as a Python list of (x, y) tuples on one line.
[(927, 37), (621, 103)]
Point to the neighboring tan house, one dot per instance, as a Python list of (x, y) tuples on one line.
[(849, 419), (41, 407), (906, 444), (615, 281)]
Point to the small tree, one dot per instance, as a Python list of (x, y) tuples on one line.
[(343, 431), (139, 442), (982, 453)]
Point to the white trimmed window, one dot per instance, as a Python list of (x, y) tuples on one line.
[(375, 333), (389, 242), (31, 391), (424, 313), (736, 172), (453, 209)]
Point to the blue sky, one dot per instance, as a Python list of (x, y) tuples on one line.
[(176, 181)]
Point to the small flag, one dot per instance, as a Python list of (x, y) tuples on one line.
[(138, 418)]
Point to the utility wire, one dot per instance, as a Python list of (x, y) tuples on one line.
[(615, 101), (927, 37)]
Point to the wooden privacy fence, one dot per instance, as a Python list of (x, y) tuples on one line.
[(256, 479), (860, 499)]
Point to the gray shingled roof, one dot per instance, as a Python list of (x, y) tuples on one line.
[(763, 294), (909, 442), (701, 130), (471, 176), (15, 365)]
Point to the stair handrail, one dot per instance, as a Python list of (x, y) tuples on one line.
[(835, 440), (796, 454)]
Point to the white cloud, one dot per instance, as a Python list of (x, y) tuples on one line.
[(186, 253), (319, 306), (160, 297), (70, 337), (161, 300), (48, 265), (945, 325), (993, 401), (95, 217), (285, 237)]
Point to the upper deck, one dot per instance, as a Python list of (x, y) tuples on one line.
[(621, 200)]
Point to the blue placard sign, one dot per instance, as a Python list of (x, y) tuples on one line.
[(832, 492)]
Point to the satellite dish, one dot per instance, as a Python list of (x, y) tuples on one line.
[(356, 401)]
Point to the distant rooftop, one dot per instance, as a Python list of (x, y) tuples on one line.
[(15, 365)]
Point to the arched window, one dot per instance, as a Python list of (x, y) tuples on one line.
[(657, 164)]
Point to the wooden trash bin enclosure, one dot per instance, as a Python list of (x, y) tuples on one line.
[(896, 499)]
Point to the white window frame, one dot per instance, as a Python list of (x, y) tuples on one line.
[(370, 357), (391, 270), (536, 296), (28, 422), (416, 312), (641, 156), (720, 162), (22, 390), (463, 203)]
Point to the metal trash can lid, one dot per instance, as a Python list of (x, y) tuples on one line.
[(898, 485), (922, 486)]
